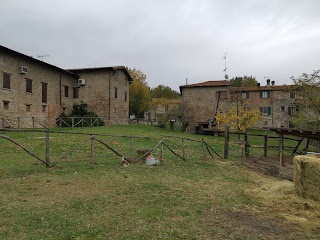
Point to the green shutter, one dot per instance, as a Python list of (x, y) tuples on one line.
[(260, 110), (268, 94), (269, 110), (260, 94)]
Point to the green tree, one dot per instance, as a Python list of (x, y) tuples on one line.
[(245, 81), (307, 87), (164, 92), (140, 94)]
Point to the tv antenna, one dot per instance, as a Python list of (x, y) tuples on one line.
[(225, 66), (42, 56)]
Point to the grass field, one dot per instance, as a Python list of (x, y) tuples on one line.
[(193, 199)]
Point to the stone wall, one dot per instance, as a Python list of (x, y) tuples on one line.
[(23, 104)]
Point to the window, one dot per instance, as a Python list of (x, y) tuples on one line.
[(223, 95), (44, 87), (245, 95), (115, 110), (6, 80), (66, 91), (265, 110), (28, 85), (282, 108), (6, 105), (292, 95), (75, 92), (292, 110), (115, 92), (44, 108), (28, 107), (125, 96), (265, 94)]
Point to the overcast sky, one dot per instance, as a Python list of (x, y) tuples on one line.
[(170, 40)]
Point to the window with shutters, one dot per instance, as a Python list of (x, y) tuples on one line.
[(292, 95), (44, 87), (265, 94), (66, 91), (265, 110), (282, 108), (6, 80), (292, 110), (28, 85), (115, 92), (75, 92), (28, 107), (245, 95), (6, 105)]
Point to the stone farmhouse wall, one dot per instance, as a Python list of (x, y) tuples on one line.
[(55, 90), (279, 104), (106, 91), (17, 102)]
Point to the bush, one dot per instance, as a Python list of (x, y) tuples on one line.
[(80, 115)]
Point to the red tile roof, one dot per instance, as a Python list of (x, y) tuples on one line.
[(218, 83)]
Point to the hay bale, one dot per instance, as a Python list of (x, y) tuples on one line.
[(306, 176)]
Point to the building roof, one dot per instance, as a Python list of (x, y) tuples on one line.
[(29, 58), (217, 83), (112, 68)]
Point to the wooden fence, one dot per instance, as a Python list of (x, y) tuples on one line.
[(94, 138)]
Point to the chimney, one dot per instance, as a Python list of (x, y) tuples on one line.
[(186, 81), (268, 82), (272, 83), (258, 84)]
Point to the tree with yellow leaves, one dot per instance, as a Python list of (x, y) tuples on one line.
[(239, 116)]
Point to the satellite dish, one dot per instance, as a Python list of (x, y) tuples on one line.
[(226, 76)]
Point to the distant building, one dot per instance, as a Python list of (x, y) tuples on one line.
[(277, 104), (33, 89)]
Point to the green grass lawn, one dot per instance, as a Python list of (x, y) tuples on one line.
[(192, 199)]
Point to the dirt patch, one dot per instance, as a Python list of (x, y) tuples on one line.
[(271, 167), (239, 224)]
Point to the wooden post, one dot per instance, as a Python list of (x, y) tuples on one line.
[(92, 149), (161, 152), (72, 122), (246, 144), (281, 146), (183, 149), (91, 122), (81, 122), (60, 123), (306, 144), (47, 139), (132, 149), (204, 150), (97, 122), (226, 142), (266, 144), (2, 119), (33, 123), (18, 122)]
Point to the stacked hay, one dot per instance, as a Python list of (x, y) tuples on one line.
[(307, 176)]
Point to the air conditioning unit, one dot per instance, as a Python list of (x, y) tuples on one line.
[(23, 70), (81, 82)]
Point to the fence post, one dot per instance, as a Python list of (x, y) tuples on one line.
[(92, 149), (266, 144), (2, 119), (281, 150), (81, 122), (91, 122), (33, 122), (47, 148), (246, 144), (183, 150), (226, 142), (132, 149), (161, 151), (204, 149), (60, 123), (72, 122)]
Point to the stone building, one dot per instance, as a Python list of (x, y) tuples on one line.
[(277, 104), (34, 91)]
